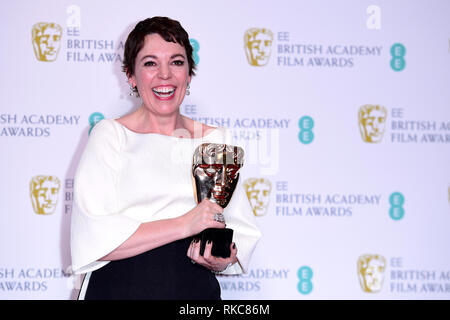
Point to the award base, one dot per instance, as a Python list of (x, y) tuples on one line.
[(221, 239)]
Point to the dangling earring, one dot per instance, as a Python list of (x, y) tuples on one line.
[(187, 90), (134, 91)]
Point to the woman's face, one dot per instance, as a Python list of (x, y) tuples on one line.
[(161, 75)]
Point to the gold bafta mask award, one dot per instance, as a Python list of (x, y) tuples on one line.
[(371, 272), (46, 38), (372, 121), (44, 194), (257, 46), (258, 192), (215, 171)]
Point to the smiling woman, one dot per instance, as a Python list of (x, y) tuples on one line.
[(159, 65), (134, 213), (161, 75)]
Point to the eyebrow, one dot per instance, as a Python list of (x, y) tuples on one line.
[(176, 55)]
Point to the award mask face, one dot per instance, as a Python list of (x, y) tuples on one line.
[(371, 272), (46, 38), (44, 193), (372, 121), (257, 45), (258, 194), (216, 171)]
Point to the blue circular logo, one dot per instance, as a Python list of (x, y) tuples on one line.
[(95, 118), (305, 285), (396, 199), (306, 124), (398, 52), (396, 211)]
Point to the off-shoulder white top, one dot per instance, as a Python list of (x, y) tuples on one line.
[(125, 178)]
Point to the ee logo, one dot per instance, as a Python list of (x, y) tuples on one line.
[(396, 211), (398, 52), (195, 46), (94, 119), (305, 275), (306, 124)]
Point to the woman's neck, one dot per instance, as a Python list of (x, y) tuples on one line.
[(149, 122)]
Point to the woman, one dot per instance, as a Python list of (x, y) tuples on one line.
[(134, 213)]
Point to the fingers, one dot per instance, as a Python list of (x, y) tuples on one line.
[(193, 251), (207, 254), (212, 205), (211, 222), (217, 224), (212, 209), (202, 217), (190, 249), (217, 263), (196, 250), (208, 260)]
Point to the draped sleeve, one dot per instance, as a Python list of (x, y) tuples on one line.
[(97, 227)]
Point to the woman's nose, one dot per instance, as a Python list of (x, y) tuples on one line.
[(164, 72)]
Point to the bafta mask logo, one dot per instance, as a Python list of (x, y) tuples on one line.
[(258, 192), (257, 45), (371, 269), (372, 121), (46, 38), (44, 194)]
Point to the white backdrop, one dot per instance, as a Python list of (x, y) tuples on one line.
[(329, 202)]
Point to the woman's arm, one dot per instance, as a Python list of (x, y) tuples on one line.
[(148, 236), (151, 235)]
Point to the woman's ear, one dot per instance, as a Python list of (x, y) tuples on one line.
[(131, 79)]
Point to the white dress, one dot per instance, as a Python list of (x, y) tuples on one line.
[(125, 178)]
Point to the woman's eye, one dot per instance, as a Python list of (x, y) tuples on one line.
[(149, 63), (178, 62)]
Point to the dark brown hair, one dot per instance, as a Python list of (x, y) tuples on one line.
[(170, 30)]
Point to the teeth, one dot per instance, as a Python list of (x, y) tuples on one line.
[(164, 90)]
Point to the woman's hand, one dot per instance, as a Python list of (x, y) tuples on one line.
[(216, 264), (201, 218)]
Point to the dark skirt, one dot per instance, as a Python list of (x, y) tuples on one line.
[(164, 273)]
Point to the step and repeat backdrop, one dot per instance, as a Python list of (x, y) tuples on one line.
[(343, 108)]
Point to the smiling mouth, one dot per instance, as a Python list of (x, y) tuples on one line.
[(164, 92)]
